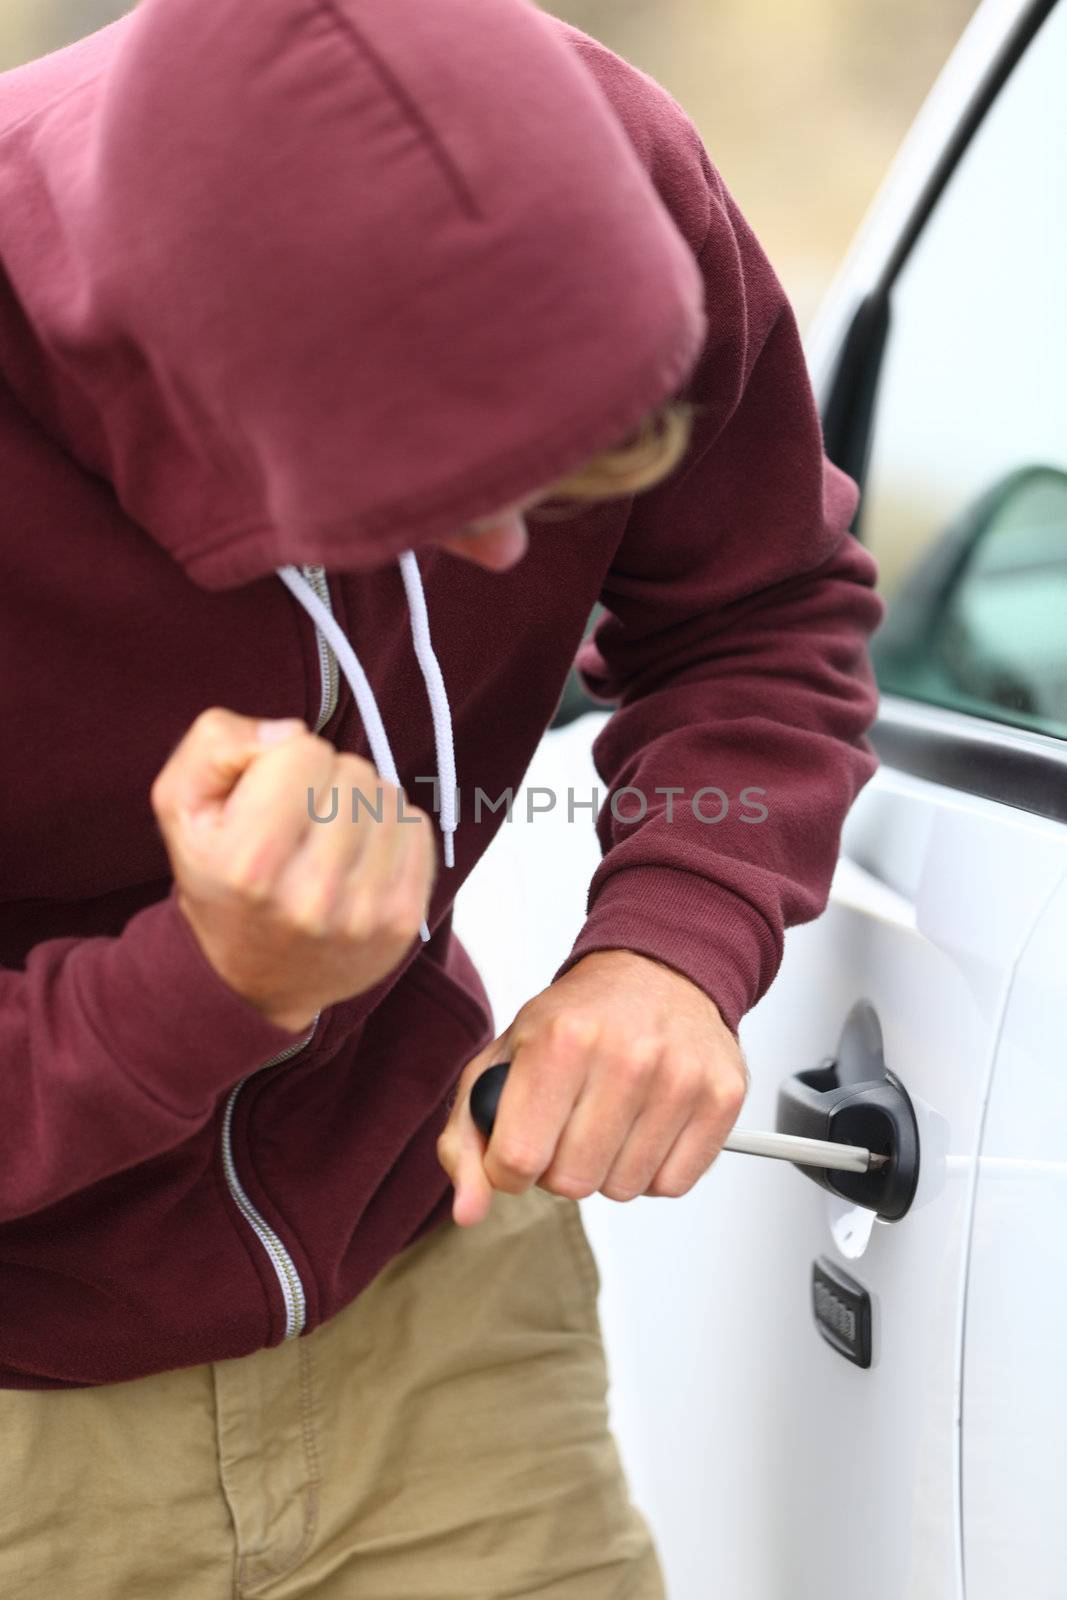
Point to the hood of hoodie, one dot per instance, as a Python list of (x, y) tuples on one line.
[(316, 281)]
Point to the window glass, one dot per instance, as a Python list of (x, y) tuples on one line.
[(965, 501)]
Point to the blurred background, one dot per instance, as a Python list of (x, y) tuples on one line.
[(801, 103)]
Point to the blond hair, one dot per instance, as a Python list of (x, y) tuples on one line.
[(641, 460)]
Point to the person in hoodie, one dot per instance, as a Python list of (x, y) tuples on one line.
[(351, 353)]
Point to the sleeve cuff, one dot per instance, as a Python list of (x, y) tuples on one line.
[(171, 1023), (706, 932)]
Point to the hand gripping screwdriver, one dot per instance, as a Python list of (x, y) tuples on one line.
[(824, 1153)]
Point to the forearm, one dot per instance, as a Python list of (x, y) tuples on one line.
[(745, 753), (113, 1051)]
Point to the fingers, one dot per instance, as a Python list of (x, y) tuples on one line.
[(586, 1110), (624, 1159), (266, 814), (699, 1142), (216, 749), (590, 1110), (393, 881), (683, 1118), (347, 853), (550, 1064), (359, 873)]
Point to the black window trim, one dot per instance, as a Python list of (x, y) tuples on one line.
[(992, 760)]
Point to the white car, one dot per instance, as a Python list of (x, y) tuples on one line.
[(858, 1385)]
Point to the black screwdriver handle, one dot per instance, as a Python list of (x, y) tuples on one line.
[(485, 1096)]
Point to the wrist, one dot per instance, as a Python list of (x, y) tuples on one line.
[(622, 962), (286, 1014)]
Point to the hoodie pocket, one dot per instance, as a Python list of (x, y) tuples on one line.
[(442, 989)]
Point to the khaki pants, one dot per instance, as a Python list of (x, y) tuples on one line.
[(445, 1437)]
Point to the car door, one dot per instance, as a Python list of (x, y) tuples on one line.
[(1014, 1393), (771, 1462), (965, 506)]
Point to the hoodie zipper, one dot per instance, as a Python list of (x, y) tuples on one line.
[(316, 577), (280, 1259)]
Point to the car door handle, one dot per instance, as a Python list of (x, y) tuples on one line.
[(853, 1098)]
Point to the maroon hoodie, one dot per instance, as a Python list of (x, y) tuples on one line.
[(308, 284)]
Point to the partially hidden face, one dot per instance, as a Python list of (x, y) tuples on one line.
[(497, 541)]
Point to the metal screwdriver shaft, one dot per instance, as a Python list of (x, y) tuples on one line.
[(805, 1152)]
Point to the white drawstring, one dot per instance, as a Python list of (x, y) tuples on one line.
[(377, 738), (438, 698)]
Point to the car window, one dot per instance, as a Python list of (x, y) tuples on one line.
[(965, 496)]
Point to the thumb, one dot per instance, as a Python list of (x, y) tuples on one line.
[(203, 769), (461, 1151)]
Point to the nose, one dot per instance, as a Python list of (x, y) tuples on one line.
[(495, 543)]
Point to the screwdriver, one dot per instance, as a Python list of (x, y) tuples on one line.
[(824, 1153)]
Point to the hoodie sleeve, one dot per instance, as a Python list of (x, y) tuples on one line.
[(113, 1051), (737, 614)]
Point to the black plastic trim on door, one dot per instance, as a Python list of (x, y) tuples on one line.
[(849, 411), (854, 1098), (990, 760)]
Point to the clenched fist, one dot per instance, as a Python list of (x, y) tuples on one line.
[(292, 913)]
